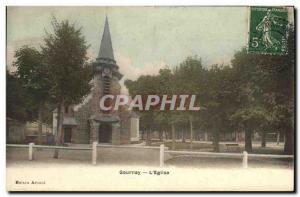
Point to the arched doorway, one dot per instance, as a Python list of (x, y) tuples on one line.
[(105, 132)]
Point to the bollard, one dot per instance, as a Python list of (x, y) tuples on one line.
[(94, 153), (31, 151), (161, 155), (245, 159)]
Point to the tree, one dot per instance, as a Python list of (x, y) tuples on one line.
[(65, 55), (219, 100), (166, 85), (250, 111), (145, 85), (265, 85), (190, 79), (279, 86), (255, 93), (19, 104), (33, 75)]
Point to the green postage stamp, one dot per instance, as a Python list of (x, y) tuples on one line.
[(268, 30)]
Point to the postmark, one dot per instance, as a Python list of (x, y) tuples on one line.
[(268, 30)]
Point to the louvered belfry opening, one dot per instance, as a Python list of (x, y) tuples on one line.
[(106, 91), (106, 85)]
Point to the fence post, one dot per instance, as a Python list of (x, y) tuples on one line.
[(245, 159), (161, 155), (94, 153), (31, 151)]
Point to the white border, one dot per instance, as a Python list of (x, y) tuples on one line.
[(4, 3)]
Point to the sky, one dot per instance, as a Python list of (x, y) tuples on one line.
[(144, 39)]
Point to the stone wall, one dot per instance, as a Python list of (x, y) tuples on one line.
[(134, 129), (90, 107), (125, 127), (82, 134), (116, 134), (15, 131), (115, 87)]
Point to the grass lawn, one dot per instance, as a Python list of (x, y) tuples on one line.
[(186, 145), (271, 148)]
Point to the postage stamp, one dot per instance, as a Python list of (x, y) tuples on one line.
[(268, 30)]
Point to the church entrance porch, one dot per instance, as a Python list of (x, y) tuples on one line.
[(105, 133), (105, 129)]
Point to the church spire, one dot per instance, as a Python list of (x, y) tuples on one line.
[(106, 50)]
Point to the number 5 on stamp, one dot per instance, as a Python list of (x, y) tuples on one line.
[(268, 30)]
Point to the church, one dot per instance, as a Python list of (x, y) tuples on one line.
[(86, 122)]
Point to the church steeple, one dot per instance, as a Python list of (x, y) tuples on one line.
[(105, 62), (106, 49)]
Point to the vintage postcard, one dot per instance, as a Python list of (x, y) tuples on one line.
[(150, 98)]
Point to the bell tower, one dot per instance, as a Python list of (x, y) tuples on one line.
[(105, 64), (105, 124), (106, 69), (100, 125)]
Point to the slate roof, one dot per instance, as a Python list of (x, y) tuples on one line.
[(106, 49), (69, 121), (108, 118)]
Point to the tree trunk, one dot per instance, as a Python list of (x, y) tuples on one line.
[(289, 143), (248, 139), (192, 132), (148, 137), (278, 137), (216, 140), (205, 136), (161, 135), (40, 124), (183, 136), (263, 139), (173, 137), (58, 137), (236, 136)]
